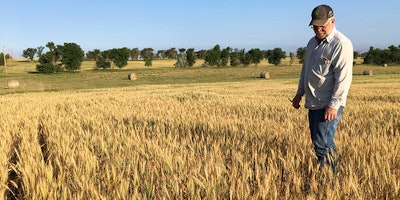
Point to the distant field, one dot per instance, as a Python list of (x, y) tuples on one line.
[(162, 72), (195, 133)]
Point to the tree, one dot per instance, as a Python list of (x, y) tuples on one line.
[(102, 63), (120, 56), (171, 53), (213, 56), (68, 56), (181, 59), (255, 56), (301, 54), (225, 55), (29, 53), (377, 56), (47, 64), (93, 55), (275, 56), (50, 61), (147, 54), (394, 54), (135, 54), (244, 57), (39, 51), (291, 55), (201, 54), (235, 58), (191, 57), (161, 54), (72, 56), (51, 46)]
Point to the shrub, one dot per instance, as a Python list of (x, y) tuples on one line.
[(47, 68)]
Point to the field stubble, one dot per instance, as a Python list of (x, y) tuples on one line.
[(196, 141), (202, 133)]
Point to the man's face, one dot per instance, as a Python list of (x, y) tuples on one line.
[(323, 31)]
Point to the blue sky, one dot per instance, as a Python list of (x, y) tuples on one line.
[(162, 24)]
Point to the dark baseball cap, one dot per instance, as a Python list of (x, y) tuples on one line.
[(320, 15)]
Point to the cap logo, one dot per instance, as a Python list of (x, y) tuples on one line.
[(316, 14), (330, 14)]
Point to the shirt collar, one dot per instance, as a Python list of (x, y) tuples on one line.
[(329, 38)]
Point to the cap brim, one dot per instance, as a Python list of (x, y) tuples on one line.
[(318, 22)]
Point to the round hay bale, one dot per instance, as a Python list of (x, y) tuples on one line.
[(132, 76), (368, 72), (385, 65), (265, 75), (13, 84)]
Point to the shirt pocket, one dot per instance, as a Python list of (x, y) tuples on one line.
[(323, 66)]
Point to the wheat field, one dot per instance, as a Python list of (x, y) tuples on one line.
[(195, 141)]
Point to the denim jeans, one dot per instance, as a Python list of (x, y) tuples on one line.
[(322, 136)]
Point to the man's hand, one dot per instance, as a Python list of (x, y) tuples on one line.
[(330, 114), (296, 101)]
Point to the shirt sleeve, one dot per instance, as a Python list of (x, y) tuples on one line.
[(343, 70), (300, 87)]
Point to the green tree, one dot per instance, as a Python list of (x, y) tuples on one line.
[(72, 56), (102, 63), (171, 53), (47, 64), (29, 53), (191, 57), (147, 55), (275, 56), (377, 56), (135, 54), (181, 59), (93, 55), (244, 58), (39, 51), (50, 62), (213, 56), (161, 54), (201, 54), (255, 56), (55, 52), (301, 54), (235, 58), (120, 56), (225, 56), (394, 54), (68, 56)]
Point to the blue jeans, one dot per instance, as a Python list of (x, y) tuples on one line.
[(322, 136)]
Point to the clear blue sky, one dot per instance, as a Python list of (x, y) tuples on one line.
[(162, 24)]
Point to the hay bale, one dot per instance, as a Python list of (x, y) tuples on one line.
[(385, 65), (13, 84), (265, 74), (368, 72), (132, 76)]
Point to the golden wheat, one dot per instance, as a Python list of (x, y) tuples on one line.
[(199, 141)]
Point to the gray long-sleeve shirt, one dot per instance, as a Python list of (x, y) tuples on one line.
[(327, 71)]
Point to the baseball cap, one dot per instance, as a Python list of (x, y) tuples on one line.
[(320, 15)]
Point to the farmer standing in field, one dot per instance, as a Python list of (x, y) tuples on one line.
[(325, 81)]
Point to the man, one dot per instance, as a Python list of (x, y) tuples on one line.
[(325, 81)]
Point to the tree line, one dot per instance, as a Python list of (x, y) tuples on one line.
[(68, 57), (377, 56)]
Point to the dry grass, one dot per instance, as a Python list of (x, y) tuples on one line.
[(195, 141)]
